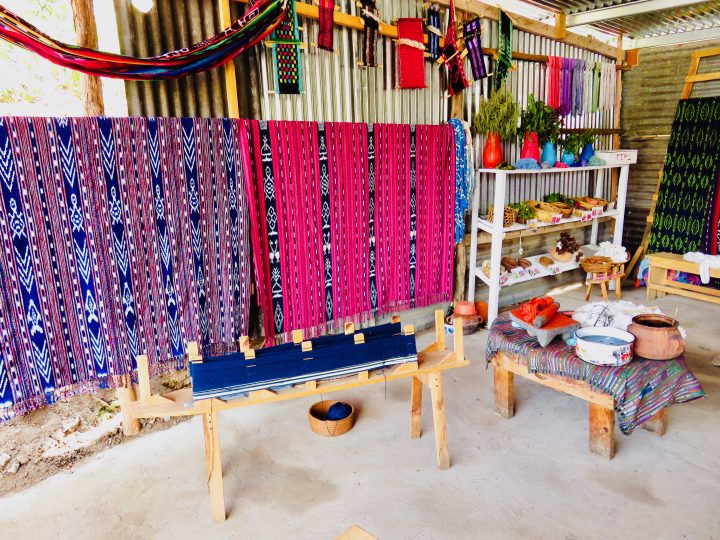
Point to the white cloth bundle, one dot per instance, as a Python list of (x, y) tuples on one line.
[(705, 261)]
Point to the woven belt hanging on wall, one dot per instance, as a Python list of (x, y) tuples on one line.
[(473, 44), (433, 29), (411, 53), (325, 34), (369, 14), (286, 56), (505, 45), (457, 82)]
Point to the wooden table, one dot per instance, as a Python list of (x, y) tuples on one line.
[(659, 285), (432, 361), (602, 406)]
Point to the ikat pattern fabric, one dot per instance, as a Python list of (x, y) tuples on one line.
[(286, 57), (640, 389), (120, 237), (684, 214), (349, 220)]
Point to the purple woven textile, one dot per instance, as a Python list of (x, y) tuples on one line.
[(471, 33), (640, 389), (566, 75)]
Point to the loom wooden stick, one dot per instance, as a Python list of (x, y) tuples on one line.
[(143, 369), (359, 339), (297, 336), (306, 346)]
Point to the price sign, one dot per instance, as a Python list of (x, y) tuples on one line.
[(533, 271), (532, 224), (518, 272), (555, 219), (586, 215), (597, 211), (553, 270)]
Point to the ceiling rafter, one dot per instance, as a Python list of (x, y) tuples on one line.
[(625, 10)]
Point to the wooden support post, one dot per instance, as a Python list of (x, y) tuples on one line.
[(143, 371), (458, 339), (657, 424), (231, 91), (87, 36), (126, 395), (440, 329), (616, 112), (213, 462), (456, 105), (602, 431), (504, 387), (656, 276), (460, 271), (438, 406), (560, 26), (415, 407)]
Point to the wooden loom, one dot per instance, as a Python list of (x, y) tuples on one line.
[(690, 80), (427, 371)]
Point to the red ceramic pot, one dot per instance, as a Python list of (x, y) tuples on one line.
[(531, 147), (493, 154)]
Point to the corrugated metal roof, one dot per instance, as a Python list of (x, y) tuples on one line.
[(698, 16)]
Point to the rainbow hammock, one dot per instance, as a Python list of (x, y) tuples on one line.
[(260, 19)]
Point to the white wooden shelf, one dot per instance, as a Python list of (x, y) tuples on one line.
[(498, 233)]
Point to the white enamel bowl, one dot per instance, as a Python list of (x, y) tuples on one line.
[(602, 354)]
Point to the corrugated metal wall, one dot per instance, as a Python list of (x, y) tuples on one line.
[(651, 92), (171, 25)]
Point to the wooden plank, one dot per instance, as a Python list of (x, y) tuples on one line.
[(486, 238), (440, 329), (437, 397), (126, 395), (459, 339), (662, 290), (213, 462), (231, 92), (143, 372), (704, 77), (657, 424), (602, 431), (692, 70), (674, 261), (572, 387), (713, 51), (355, 533), (504, 388), (416, 390)]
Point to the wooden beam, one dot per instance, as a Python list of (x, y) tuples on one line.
[(87, 36), (532, 26), (560, 26), (625, 10), (231, 89), (674, 39)]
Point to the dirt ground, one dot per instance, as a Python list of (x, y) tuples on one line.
[(52, 439)]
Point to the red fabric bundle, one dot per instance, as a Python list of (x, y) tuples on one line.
[(529, 310), (411, 53), (325, 34)]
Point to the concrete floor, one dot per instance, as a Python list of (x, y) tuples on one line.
[(532, 476)]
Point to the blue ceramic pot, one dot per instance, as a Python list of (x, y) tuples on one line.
[(587, 152), (549, 155), (568, 158)]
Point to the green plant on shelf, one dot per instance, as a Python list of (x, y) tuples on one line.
[(498, 114), (542, 119), (587, 136), (572, 142), (524, 211), (559, 197)]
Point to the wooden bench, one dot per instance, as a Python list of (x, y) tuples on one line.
[(432, 361), (659, 285), (602, 406)]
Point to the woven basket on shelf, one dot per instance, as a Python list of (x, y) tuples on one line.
[(565, 209), (329, 428), (509, 215), (596, 264), (545, 211)]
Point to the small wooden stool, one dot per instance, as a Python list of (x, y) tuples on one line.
[(615, 273)]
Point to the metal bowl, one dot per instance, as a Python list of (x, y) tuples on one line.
[(589, 349)]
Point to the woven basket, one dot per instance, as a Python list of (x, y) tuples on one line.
[(596, 264), (509, 215), (329, 428), (545, 211), (565, 209)]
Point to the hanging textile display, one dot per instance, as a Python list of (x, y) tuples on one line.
[(259, 20), (433, 31), (371, 21), (457, 82), (505, 47), (286, 53), (554, 67), (464, 174), (473, 44), (578, 87), (411, 53), (690, 179), (566, 76), (606, 101), (597, 74), (588, 87), (124, 237), (349, 220), (326, 10)]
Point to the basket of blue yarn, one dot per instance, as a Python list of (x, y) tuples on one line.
[(331, 418)]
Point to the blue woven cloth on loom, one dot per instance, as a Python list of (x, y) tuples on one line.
[(231, 375)]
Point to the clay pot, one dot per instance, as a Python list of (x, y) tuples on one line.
[(657, 337), (464, 309), (493, 154), (470, 322)]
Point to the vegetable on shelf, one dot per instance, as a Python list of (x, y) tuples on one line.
[(559, 198), (524, 212)]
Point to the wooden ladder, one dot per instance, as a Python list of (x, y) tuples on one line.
[(690, 80)]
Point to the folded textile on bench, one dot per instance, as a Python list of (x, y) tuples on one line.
[(640, 389), (349, 220), (230, 375), (123, 237)]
